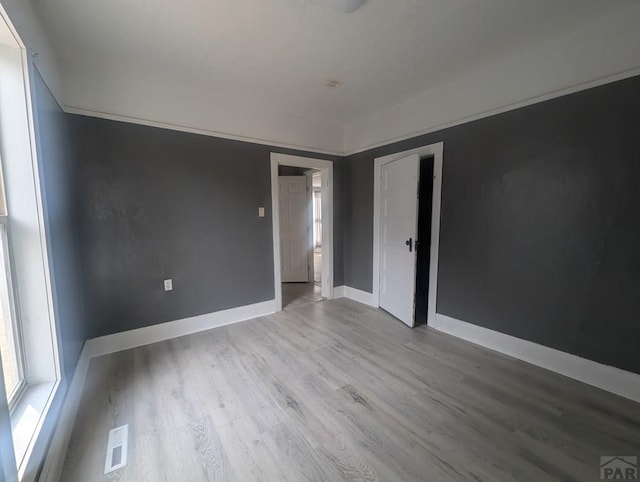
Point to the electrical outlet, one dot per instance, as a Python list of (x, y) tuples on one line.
[(261, 212), (168, 285)]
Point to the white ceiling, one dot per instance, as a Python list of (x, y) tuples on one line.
[(278, 54)]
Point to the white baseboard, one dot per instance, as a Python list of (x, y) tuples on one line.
[(611, 379), (354, 294), (172, 329), (52, 469)]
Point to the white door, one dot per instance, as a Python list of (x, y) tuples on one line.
[(294, 245), (398, 226)]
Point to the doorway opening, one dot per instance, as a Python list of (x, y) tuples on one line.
[(406, 231), (302, 228), (300, 235), (423, 241), (316, 217)]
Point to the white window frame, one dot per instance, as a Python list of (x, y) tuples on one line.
[(16, 331), (39, 402)]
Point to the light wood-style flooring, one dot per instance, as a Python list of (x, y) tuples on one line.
[(294, 294), (335, 391)]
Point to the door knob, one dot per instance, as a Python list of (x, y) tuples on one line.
[(409, 242)]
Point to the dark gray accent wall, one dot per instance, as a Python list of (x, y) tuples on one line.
[(291, 171), (540, 237), (159, 204), (58, 185)]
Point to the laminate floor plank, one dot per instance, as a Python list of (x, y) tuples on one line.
[(338, 391), (294, 294), (107, 403)]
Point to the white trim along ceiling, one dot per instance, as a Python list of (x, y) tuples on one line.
[(316, 93)]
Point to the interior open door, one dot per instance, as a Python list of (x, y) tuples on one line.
[(398, 226), (294, 242)]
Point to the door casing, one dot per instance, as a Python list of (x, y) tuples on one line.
[(326, 175)]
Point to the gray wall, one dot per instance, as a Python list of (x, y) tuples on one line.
[(540, 236), (57, 177), (159, 204), (291, 171)]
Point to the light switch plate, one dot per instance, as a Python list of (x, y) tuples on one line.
[(168, 285), (261, 212)]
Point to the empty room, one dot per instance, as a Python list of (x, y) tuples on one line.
[(319, 240)]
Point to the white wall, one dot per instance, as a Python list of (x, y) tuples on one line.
[(599, 51)]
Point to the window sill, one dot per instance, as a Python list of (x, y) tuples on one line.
[(27, 418)]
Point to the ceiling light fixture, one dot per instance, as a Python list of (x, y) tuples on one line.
[(348, 6)]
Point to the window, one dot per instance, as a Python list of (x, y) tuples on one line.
[(10, 336), (29, 342), (317, 217)]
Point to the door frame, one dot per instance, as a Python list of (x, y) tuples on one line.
[(326, 175), (437, 151)]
